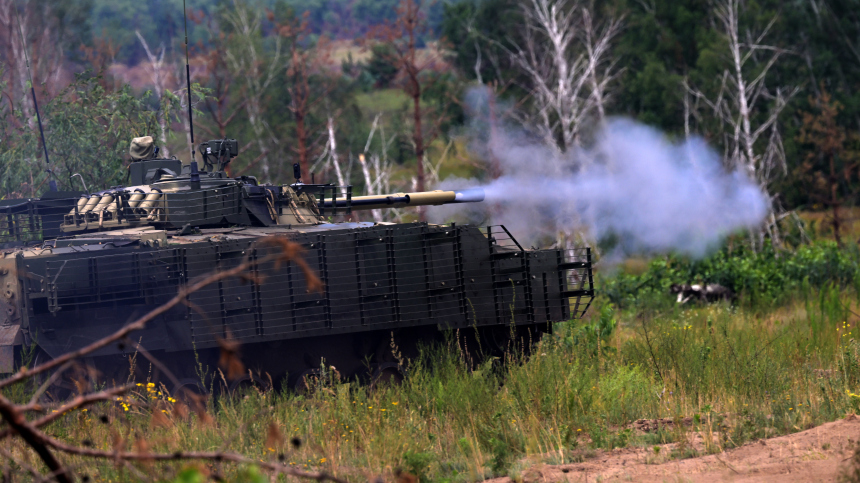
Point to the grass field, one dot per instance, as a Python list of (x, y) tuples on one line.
[(739, 373)]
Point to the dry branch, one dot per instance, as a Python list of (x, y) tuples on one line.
[(742, 89), (46, 446), (566, 60)]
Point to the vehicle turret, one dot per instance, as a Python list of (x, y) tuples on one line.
[(168, 195)]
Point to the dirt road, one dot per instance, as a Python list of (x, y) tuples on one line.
[(817, 454)]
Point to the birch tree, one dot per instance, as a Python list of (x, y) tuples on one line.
[(257, 70), (752, 142), (565, 59), (34, 23), (377, 171), (157, 75)]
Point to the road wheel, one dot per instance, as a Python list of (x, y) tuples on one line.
[(61, 389), (307, 381), (189, 390), (244, 384), (387, 373)]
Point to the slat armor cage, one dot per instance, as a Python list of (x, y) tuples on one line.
[(379, 277)]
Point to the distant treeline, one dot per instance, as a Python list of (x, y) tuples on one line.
[(161, 20)]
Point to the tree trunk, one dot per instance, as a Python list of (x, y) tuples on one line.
[(834, 201), (418, 138), (417, 134), (302, 142)]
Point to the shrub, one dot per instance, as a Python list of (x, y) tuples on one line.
[(762, 279)]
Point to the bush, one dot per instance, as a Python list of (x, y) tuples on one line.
[(381, 65), (762, 279)]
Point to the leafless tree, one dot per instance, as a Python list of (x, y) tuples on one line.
[(225, 102), (258, 71), (29, 36), (565, 56), (753, 146), (309, 83), (156, 69), (377, 171), (332, 149), (402, 37), (597, 41), (32, 22)]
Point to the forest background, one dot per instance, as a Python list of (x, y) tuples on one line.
[(391, 96)]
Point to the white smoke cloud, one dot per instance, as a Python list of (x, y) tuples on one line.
[(650, 194)]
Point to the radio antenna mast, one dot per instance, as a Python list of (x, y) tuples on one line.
[(188, 82), (52, 183)]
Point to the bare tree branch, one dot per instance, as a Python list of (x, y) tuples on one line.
[(45, 446), (247, 63), (566, 59), (738, 99)]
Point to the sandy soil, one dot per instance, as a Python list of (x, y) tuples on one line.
[(817, 454)]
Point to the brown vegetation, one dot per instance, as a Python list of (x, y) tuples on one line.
[(832, 166)]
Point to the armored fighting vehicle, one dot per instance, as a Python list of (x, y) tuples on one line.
[(76, 269)]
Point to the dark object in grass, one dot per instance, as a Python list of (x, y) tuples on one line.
[(709, 292)]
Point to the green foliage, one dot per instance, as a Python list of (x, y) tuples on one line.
[(596, 335), (194, 475), (476, 28), (84, 128), (850, 473), (417, 464), (352, 18), (765, 278), (659, 46), (502, 454), (665, 42), (381, 65), (87, 129), (158, 21), (189, 475), (118, 20), (662, 43)]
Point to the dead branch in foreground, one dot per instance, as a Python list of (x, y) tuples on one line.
[(47, 447)]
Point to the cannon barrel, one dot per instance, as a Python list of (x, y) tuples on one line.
[(400, 200)]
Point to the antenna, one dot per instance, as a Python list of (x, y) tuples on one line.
[(52, 184), (188, 83)]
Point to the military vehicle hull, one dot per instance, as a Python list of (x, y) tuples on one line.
[(409, 279)]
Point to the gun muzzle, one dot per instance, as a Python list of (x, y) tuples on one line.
[(400, 200)]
